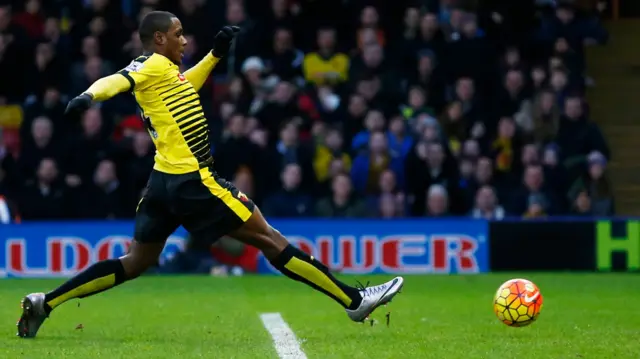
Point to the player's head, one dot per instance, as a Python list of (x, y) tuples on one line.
[(162, 32)]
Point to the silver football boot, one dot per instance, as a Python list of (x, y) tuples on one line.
[(375, 296), (33, 315)]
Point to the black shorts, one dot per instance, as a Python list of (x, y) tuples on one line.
[(206, 205)]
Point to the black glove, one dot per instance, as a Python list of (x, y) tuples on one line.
[(222, 41), (78, 105)]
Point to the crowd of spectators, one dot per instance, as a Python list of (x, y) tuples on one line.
[(331, 108)]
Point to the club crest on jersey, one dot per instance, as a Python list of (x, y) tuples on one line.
[(243, 197), (181, 76)]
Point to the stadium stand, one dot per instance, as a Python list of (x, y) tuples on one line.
[(325, 108)]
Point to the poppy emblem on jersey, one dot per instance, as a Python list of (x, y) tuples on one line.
[(181, 77)]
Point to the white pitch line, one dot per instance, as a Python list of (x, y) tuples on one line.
[(285, 341)]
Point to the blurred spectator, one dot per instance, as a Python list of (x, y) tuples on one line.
[(31, 19), (390, 207), (331, 148), (343, 202), (426, 166), (577, 136), (388, 186), (533, 200), (38, 146), (437, 201), (416, 103), (455, 127), (368, 167), (597, 187), (46, 70), (284, 60), (235, 150), (9, 175), (327, 65), (139, 162), (428, 75), (370, 31), (290, 201), (356, 110), (506, 148), (486, 205), (399, 138), (87, 149), (290, 150), (374, 122), (582, 205), (8, 212), (554, 173), (110, 199), (279, 104), (546, 117), (45, 198)]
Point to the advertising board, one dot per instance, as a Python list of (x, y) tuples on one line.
[(61, 249)]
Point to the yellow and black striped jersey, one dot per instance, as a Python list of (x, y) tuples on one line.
[(171, 110)]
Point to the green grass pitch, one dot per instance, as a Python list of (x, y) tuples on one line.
[(445, 317)]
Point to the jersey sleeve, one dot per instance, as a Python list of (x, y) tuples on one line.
[(140, 73)]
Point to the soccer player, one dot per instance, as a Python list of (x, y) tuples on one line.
[(183, 188)]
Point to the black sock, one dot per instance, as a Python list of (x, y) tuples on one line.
[(95, 279), (299, 266)]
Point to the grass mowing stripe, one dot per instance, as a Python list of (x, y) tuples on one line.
[(284, 339)]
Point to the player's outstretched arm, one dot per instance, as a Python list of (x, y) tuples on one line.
[(107, 87), (198, 74), (101, 90)]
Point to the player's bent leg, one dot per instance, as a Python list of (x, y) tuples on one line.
[(297, 265), (98, 278), (153, 225)]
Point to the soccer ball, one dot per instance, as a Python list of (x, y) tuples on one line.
[(517, 302)]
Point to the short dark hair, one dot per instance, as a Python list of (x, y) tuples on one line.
[(152, 22)]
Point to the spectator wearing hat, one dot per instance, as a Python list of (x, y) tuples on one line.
[(595, 189)]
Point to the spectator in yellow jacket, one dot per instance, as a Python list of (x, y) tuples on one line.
[(330, 149), (326, 66)]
